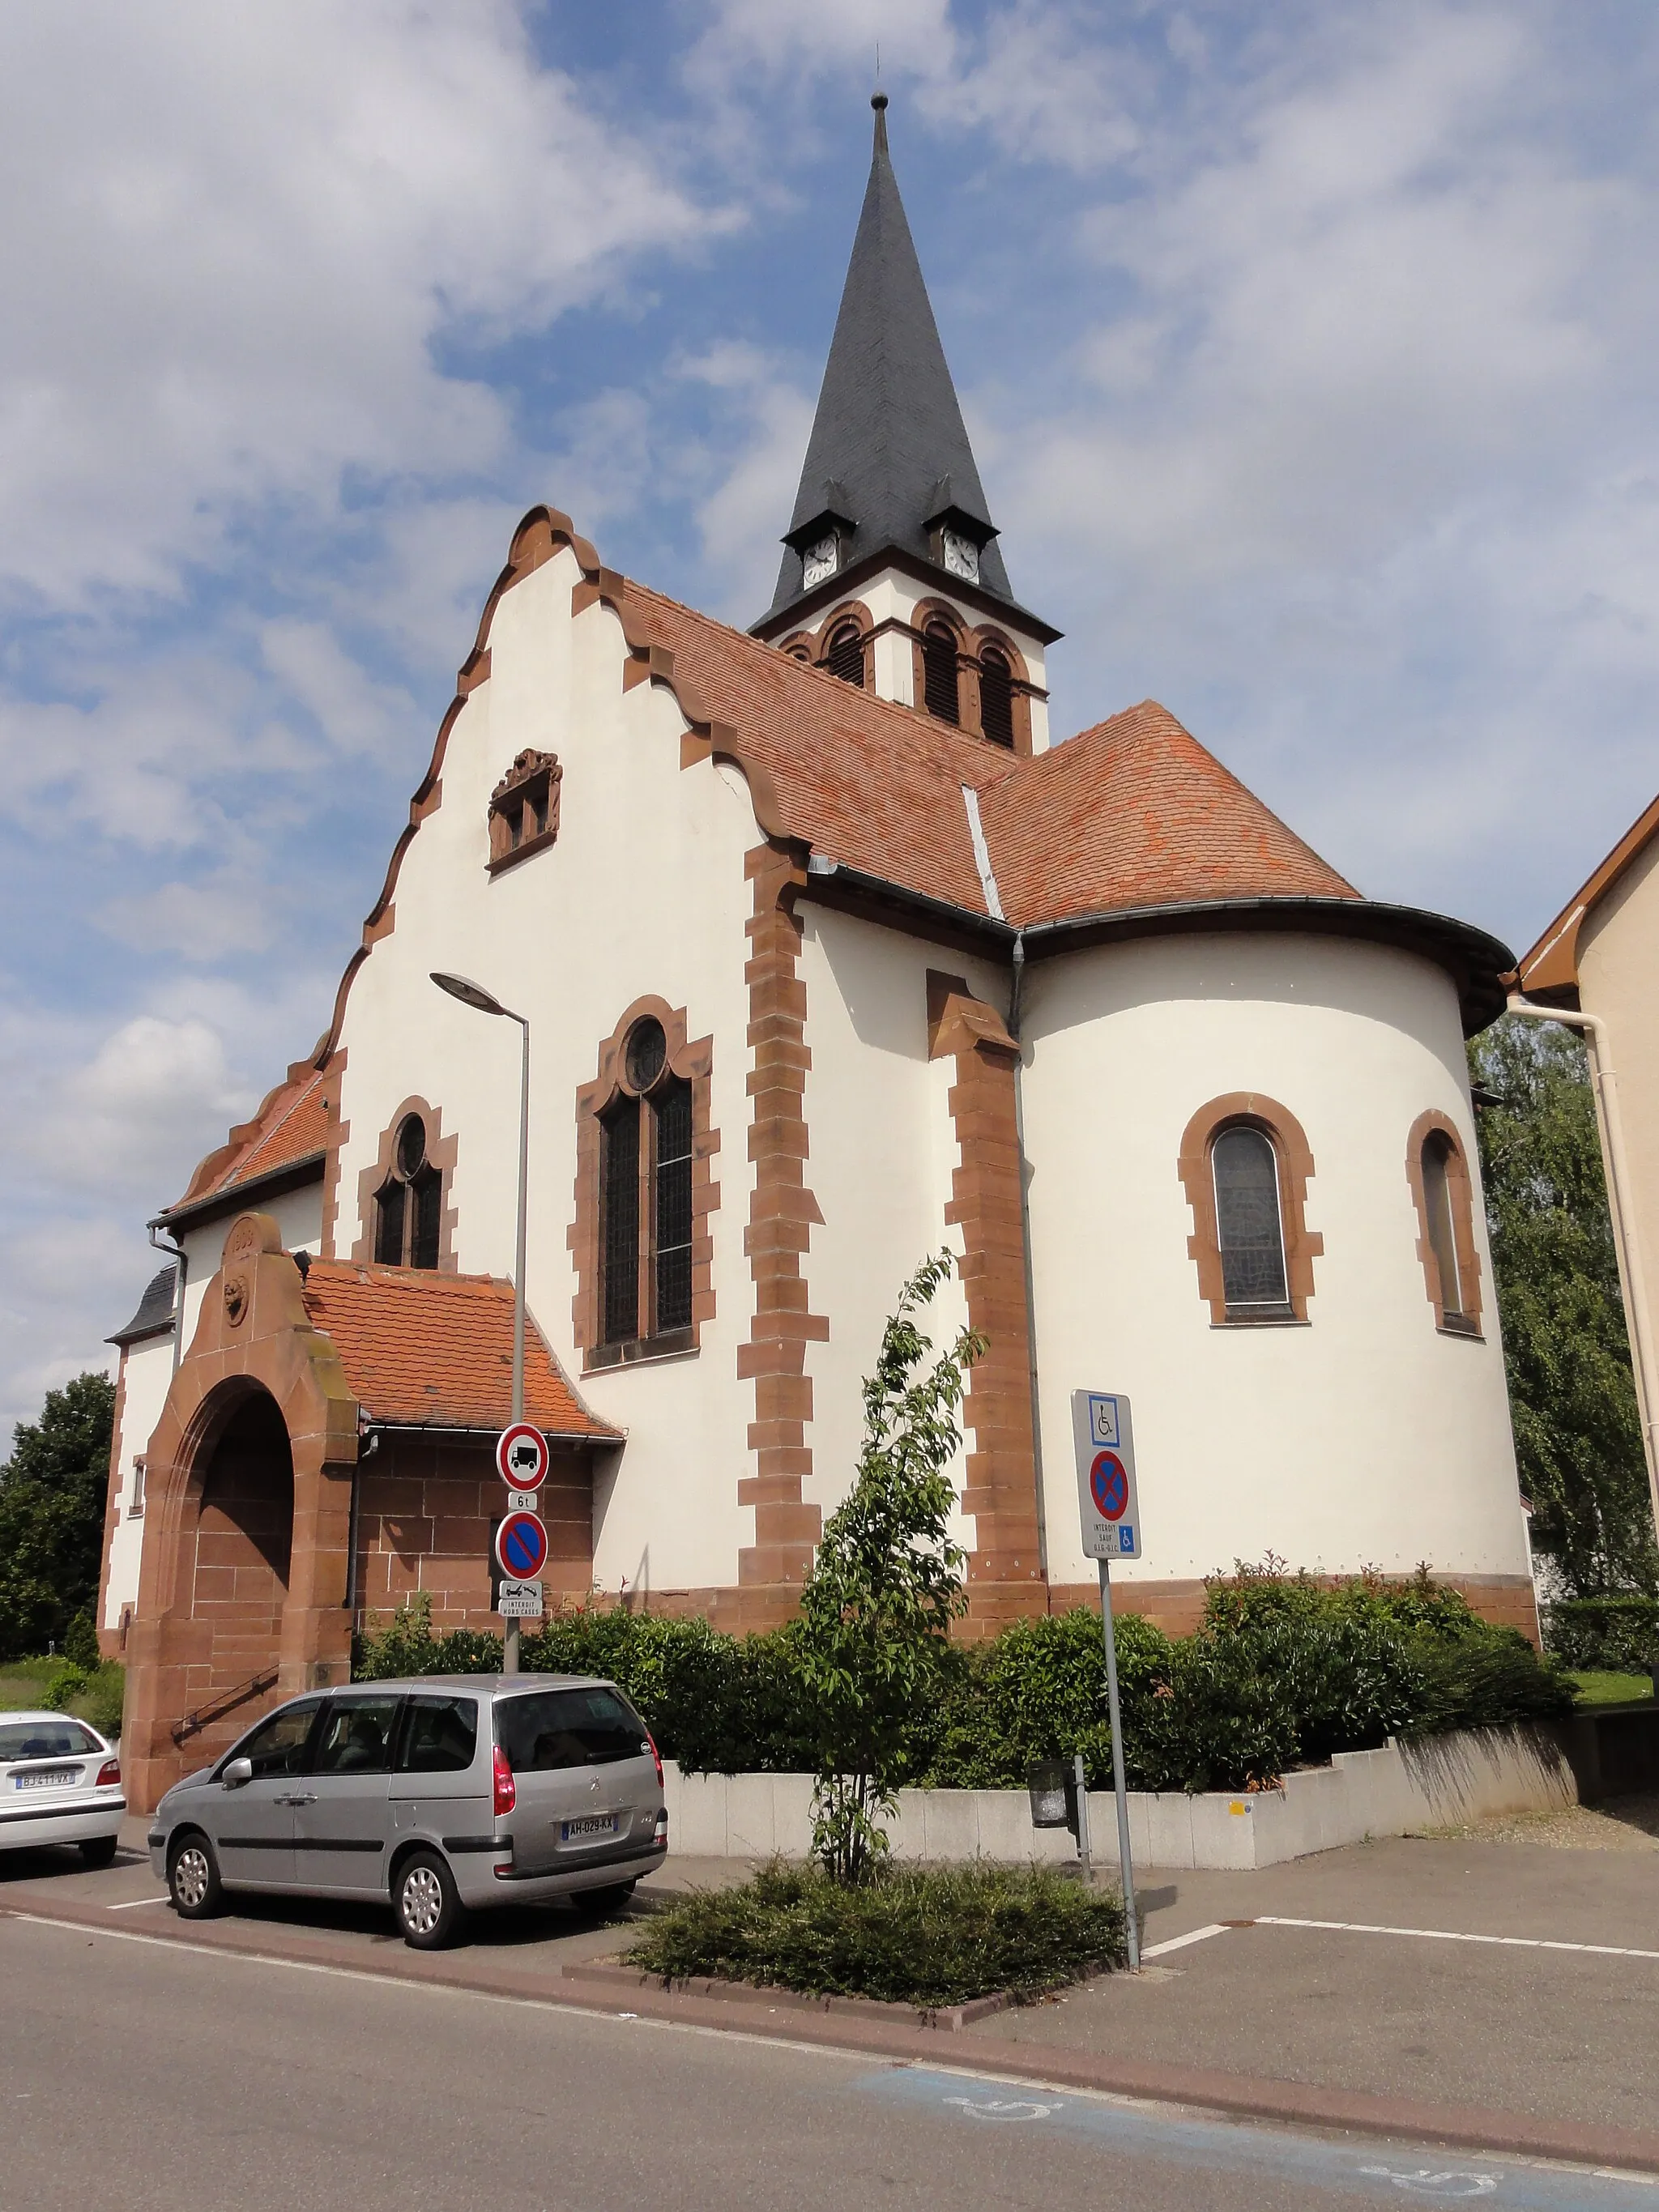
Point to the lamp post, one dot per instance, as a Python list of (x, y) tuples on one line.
[(483, 1002)]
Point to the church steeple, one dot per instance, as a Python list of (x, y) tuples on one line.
[(889, 485)]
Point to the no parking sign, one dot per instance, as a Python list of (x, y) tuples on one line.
[(1105, 1439)]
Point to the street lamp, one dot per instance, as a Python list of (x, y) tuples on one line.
[(483, 1002)]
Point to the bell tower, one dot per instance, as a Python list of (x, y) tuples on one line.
[(892, 576)]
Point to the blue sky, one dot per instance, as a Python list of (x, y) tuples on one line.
[(1308, 350)]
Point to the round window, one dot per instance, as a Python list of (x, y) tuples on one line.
[(647, 1048), (412, 1146)]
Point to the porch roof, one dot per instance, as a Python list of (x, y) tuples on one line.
[(421, 1350)]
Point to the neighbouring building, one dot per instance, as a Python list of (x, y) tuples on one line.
[(829, 958), (1598, 959)]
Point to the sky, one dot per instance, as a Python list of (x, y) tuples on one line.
[(1306, 349)]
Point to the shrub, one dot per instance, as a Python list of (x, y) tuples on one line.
[(65, 1681), (81, 1642), (409, 1646), (925, 1935), (1281, 1672), (104, 1697), (1612, 1635)]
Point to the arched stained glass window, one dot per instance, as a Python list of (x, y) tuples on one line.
[(408, 1204), (1249, 1224), (1449, 1234)]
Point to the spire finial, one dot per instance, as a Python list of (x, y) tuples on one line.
[(879, 101)]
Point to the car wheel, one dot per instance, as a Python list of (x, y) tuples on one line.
[(193, 1880), (98, 1851), (599, 1904), (424, 1897)]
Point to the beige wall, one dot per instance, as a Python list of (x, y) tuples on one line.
[(1618, 955)]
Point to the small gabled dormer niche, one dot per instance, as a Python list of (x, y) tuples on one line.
[(523, 810)]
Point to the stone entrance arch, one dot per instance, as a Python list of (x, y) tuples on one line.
[(243, 1583)]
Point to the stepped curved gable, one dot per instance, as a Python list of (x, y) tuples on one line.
[(829, 956)]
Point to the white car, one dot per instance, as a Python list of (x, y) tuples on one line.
[(60, 1782)]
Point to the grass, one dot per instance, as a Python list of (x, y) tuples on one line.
[(24, 1684), (923, 1935), (1599, 1686)]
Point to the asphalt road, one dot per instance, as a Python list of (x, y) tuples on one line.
[(147, 2075)]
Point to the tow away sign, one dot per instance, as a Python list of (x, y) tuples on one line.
[(1104, 1438)]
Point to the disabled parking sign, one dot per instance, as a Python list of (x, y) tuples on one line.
[(1104, 1441)]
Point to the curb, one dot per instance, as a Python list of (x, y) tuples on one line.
[(604, 1975), (846, 2024)]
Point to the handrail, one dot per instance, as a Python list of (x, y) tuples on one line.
[(227, 1701)]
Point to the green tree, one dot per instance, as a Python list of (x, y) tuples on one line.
[(52, 1491), (1578, 1440), (886, 1585)]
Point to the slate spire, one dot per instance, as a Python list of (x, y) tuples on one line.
[(889, 459)]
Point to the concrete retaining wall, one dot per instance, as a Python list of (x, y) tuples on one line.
[(1432, 1783)]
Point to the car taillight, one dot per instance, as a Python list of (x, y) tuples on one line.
[(507, 1789), (650, 1745), (109, 1773)]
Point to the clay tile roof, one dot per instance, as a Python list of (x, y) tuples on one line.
[(1132, 813), (435, 1351), (291, 1124), (867, 782), (1135, 812)]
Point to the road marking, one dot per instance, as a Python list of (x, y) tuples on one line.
[(128, 1904), (1180, 1942), (1454, 1935), (1171, 2137)]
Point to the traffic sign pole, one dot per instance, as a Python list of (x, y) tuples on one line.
[(1104, 1437), (1126, 1866)]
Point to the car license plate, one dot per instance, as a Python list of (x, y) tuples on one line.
[(588, 1827), (46, 1777)]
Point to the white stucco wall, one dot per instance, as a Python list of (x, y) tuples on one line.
[(884, 1152), (643, 892), (1366, 1437), (146, 1372)]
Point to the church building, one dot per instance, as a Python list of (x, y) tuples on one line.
[(829, 956)]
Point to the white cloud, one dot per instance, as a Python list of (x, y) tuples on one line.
[(236, 234)]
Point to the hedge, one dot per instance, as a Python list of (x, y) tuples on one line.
[(1281, 1672), (1618, 1634)]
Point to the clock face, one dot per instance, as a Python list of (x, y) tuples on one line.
[(961, 555), (817, 561)]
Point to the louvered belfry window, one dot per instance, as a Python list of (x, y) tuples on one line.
[(939, 671), (1249, 1225), (845, 658), (996, 697)]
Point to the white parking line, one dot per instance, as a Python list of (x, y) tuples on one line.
[(1443, 1936), (1180, 1942), (128, 1902)]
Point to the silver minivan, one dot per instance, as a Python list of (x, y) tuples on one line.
[(440, 1796)]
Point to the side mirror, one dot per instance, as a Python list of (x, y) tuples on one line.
[(239, 1771)]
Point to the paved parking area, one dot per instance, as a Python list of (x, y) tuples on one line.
[(1561, 2034)]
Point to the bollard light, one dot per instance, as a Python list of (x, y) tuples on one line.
[(1046, 1783)]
